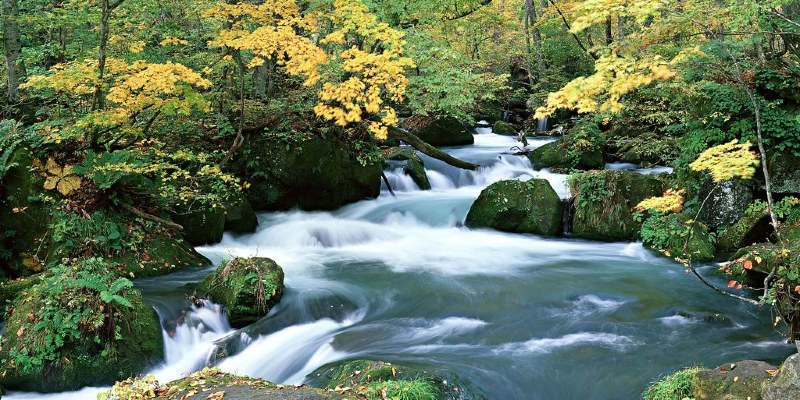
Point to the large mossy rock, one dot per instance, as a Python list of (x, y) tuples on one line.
[(443, 132), (674, 236), (24, 216), (240, 216), (202, 224), (519, 207), (159, 254), (247, 287), (750, 229), (414, 166), (203, 384), (374, 378), (604, 202), (10, 290), (784, 172), (504, 128), (741, 380), (557, 155), (312, 173), (786, 384), (81, 361)]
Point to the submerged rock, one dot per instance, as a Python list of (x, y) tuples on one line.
[(378, 379), (414, 167), (740, 380), (604, 201), (444, 131), (786, 384), (247, 287), (518, 207), (310, 172)]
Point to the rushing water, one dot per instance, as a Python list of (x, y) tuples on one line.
[(516, 316)]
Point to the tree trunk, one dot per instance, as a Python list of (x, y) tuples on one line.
[(11, 42), (417, 143)]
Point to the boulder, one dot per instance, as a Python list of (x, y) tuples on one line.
[(556, 155), (414, 166), (519, 207), (504, 128), (24, 216), (750, 229), (378, 379), (726, 204), (784, 173), (91, 358), (204, 384), (740, 380), (9, 291), (159, 254), (247, 287), (240, 216), (786, 384), (309, 172), (444, 131), (669, 234), (202, 223), (604, 201)]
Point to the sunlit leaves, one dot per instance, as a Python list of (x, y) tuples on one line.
[(727, 161), (670, 202), (61, 178)]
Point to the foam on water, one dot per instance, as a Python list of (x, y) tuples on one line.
[(608, 340)]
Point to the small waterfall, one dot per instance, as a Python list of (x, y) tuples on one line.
[(541, 125), (399, 181), (189, 344), (567, 217)]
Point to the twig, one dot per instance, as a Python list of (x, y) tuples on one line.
[(150, 217)]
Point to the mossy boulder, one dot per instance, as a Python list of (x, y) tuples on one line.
[(504, 128), (414, 166), (443, 131), (519, 207), (10, 290), (751, 228), (675, 236), (247, 287), (556, 155), (159, 254), (202, 224), (784, 173), (203, 384), (24, 216), (647, 149), (604, 202), (240, 216), (786, 384), (740, 380), (80, 361), (305, 171), (372, 378)]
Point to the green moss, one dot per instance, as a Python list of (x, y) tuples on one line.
[(247, 287), (414, 167), (11, 289), (370, 378), (519, 207), (306, 171), (677, 386), (740, 380), (581, 149), (445, 132), (240, 216), (673, 235), (159, 254), (24, 216), (202, 223), (87, 359), (504, 128), (604, 202), (735, 236)]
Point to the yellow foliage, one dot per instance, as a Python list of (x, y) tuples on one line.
[(727, 161), (592, 12), (670, 202), (152, 86)]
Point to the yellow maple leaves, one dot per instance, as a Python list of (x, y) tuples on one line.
[(670, 202), (727, 161), (154, 86)]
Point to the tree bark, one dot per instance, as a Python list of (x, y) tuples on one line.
[(417, 143), (11, 42)]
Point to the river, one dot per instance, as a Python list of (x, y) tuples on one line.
[(516, 316)]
